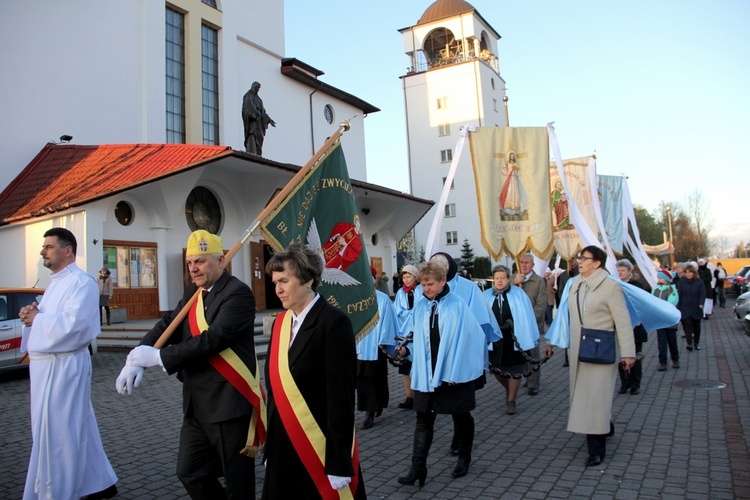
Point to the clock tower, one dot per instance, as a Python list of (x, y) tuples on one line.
[(452, 80)]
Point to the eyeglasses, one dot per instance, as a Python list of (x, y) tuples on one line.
[(583, 257)]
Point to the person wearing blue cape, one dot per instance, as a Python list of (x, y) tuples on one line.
[(470, 293), (605, 303), (447, 354), (515, 315), (372, 362)]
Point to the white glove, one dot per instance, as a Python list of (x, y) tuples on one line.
[(145, 356), (338, 482), (130, 376)]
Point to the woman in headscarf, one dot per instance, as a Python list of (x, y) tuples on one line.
[(515, 315)]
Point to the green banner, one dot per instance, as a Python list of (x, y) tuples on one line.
[(321, 213)]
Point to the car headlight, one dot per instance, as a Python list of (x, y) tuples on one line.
[(741, 301)]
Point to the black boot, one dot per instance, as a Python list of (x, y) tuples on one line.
[(465, 430), (408, 404), (369, 420), (422, 443), (462, 466)]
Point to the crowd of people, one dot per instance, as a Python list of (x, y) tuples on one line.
[(437, 327)]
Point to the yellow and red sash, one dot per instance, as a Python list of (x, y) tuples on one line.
[(304, 432), (234, 369)]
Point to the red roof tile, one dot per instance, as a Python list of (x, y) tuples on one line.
[(64, 176)]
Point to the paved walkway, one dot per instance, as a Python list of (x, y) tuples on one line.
[(680, 438)]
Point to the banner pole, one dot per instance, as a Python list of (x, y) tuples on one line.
[(343, 127)]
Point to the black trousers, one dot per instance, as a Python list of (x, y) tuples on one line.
[(667, 338), (212, 450), (597, 444), (692, 329), (463, 424), (632, 378)]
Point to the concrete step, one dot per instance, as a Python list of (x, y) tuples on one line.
[(125, 338)]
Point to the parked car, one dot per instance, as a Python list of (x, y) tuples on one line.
[(742, 305), (740, 279), (11, 301), (747, 324)]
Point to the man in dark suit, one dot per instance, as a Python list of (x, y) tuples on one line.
[(215, 338), (536, 289), (311, 358)]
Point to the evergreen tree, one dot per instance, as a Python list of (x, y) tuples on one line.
[(467, 257)]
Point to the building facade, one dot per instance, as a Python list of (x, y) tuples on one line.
[(137, 75)]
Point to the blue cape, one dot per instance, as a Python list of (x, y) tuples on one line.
[(384, 332), (462, 344), (525, 327), (470, 293), (643, 307)]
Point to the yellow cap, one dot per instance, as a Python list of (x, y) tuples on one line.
[(201, 242)]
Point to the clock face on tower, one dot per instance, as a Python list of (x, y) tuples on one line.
[(202, 210)]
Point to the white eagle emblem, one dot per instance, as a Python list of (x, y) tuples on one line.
[(330, 275)]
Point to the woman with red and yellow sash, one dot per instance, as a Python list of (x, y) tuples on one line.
[(310, 377)]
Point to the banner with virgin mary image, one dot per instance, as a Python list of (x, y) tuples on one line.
[(567, 238), (511, 168), (610, 194)]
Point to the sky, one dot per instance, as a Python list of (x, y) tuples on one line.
[(658, 89)]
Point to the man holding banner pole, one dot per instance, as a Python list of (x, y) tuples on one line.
[(214, 356)]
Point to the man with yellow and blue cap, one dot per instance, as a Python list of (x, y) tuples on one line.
[(213, 353)]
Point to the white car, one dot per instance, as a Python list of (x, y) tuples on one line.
[(11, 301)]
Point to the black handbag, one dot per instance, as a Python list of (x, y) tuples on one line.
[(597, 346)]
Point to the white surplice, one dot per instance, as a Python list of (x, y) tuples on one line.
[(67, 458)]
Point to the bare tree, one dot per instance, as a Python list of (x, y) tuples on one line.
[(721, 247), (697, 209)]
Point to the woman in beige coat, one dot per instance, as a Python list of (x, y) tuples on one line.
[(592, 386)]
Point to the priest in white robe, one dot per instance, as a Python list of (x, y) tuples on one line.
[(67, 458)]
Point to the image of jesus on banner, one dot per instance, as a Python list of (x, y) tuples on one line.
[(344, 245), (513, 198)]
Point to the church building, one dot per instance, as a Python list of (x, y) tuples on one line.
[(124, 125)]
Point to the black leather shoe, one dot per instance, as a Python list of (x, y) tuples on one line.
[(689, 347), (593, 460), (566, 364), (379, 412), (622, 390), (454, 452), (634, 391), (533, 392)]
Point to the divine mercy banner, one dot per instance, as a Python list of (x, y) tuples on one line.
[(511, 169)]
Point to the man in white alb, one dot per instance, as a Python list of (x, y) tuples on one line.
[(67, 458)]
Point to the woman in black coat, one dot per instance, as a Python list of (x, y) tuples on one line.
[(692, 298)]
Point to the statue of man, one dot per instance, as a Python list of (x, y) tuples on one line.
[(255, 120)]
